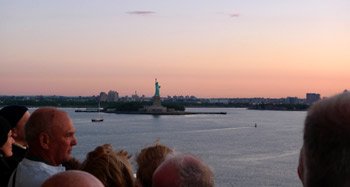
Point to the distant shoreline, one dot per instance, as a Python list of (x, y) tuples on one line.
[(151, 113), (168, 113)]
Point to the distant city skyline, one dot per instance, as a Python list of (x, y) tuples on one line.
[(113, 95), (209, 49)]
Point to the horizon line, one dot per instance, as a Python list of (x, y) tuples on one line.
[(41, 95)]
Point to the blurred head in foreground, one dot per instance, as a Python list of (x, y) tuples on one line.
[(325, 156), (72, 178), (183, 170)]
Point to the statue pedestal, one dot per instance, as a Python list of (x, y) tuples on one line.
[(156, 101), (157, 106)]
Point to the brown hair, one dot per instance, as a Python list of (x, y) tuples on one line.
[(148, 160), (110, 167), (327, 142), (72, 164)]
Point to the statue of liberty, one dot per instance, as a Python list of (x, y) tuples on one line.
[(157, 86), (157, 105)]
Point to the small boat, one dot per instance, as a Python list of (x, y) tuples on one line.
[(99, 118)]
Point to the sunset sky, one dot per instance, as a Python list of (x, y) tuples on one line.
[(205, 48)]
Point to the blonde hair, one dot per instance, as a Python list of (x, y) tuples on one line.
[(110, 167), (148, 160)]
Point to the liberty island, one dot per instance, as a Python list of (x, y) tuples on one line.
[(157, 109)]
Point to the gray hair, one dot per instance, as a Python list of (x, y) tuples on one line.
[(192, 171)]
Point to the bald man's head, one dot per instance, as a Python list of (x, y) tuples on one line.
[(50, 134), (72, 178), (183, 170), (43, 120)]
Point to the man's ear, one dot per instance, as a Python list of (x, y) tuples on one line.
[(44, 139)]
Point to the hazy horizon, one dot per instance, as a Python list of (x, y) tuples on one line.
[(221, 49)]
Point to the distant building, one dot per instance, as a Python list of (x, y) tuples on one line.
[(112, 96), (103, 96), (135, 97), (218, 101), (292, 100), (312, 97)]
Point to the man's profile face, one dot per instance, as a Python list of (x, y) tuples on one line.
[(62, 139)]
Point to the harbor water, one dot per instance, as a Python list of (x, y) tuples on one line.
[(239, 153)]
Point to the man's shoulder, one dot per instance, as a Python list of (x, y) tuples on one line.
[(34, 173), (37, 166)]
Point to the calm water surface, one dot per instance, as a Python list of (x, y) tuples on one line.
[(238, 153)]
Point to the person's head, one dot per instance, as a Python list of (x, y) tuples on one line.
[(6, 139), (17, 116), (72, 178), (50, 135), (325, 156), (148, 160), (110, 167), (182, 171)]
